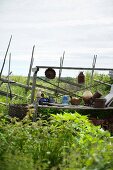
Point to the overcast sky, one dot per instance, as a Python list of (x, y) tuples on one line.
[(81, 28)]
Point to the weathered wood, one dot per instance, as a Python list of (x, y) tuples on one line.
[(61, 65), (3, 93), (79, 107), (71, 83), (14, 83), (51, 89), (73, 68), (6, 78), (66, 91), (34, 85), (93, 67), (5, 56), (101, 82), (30, 68), (8, 84)]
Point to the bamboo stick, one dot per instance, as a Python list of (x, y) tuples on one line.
[(5, 56)]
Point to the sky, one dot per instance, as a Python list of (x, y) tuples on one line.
[(81, 28)]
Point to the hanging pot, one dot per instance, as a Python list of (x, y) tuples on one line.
[(50, 73)]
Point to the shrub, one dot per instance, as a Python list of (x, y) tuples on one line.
[(66, 141)]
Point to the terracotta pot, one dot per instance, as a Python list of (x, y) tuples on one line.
[(75, 101)]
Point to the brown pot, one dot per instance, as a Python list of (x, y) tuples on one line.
[(99, 103), (96, 95), (75, 101), (50, 73)]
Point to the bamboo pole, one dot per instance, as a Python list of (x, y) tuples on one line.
[(30, 68), (5, 56)]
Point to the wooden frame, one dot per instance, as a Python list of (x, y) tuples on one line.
[(70, 107)]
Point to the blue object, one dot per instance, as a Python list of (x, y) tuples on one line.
[(43, 101), (65, 100)]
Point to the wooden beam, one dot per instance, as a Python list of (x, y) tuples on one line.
[(71, 83), (73, 68), (14, 83), (34, 85), (3, 93), (101, 82), (51, 89)]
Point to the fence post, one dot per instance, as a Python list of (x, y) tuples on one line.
[(34, 84)]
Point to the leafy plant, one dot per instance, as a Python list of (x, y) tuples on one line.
[(65, 141)]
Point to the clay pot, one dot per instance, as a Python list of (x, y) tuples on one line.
[(75, 101), (50, 73), (87, 97)]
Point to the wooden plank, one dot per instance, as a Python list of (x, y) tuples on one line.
[(78, 107)]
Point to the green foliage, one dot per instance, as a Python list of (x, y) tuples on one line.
[(104, 89), (66, 141), (63, 141)]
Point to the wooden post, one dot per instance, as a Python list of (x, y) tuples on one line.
[(93, 67), (31, 64), (8, 84), (34, 85), (35, 112), (5, 56)]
